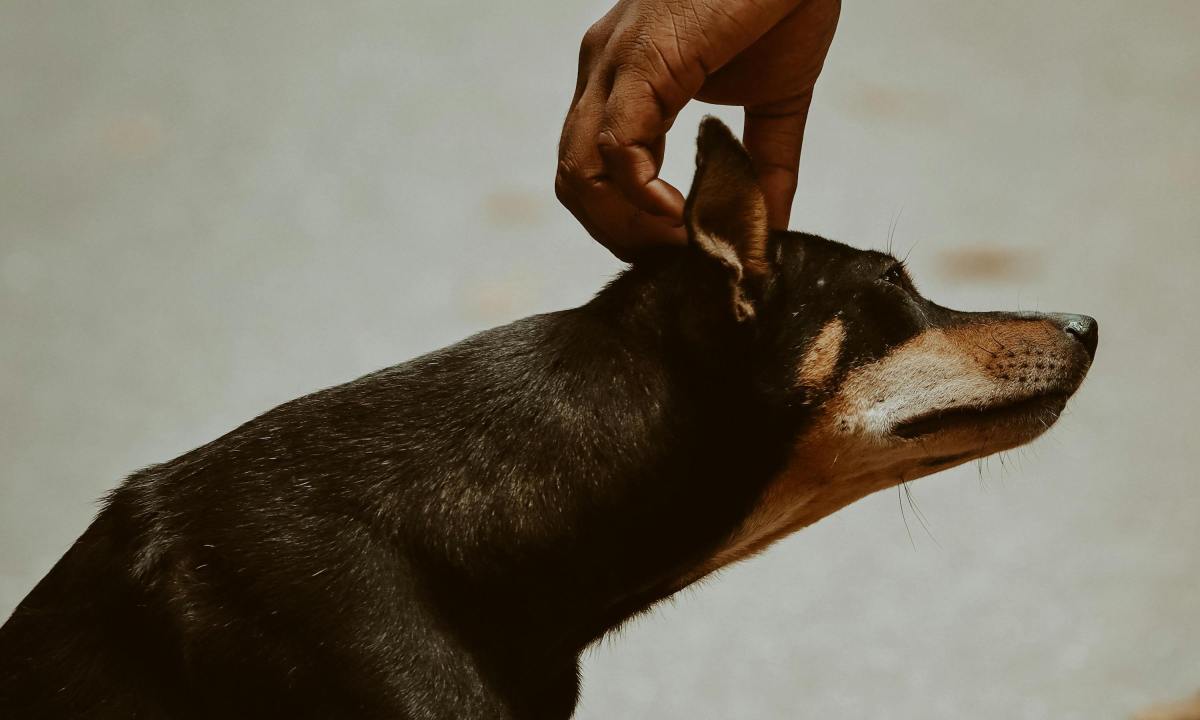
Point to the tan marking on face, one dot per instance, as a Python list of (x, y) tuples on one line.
[(971, 366), (849, 450), (822, 356), (932, 370)]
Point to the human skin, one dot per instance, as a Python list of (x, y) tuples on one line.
[(642, 62)]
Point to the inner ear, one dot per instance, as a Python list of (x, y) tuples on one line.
[(726, 212)]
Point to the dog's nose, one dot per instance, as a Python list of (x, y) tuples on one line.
[(1084, 329)]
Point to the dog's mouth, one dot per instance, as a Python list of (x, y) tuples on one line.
[(1037, 412)]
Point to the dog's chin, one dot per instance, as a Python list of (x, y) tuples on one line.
[(1021, 416), (954, 435)]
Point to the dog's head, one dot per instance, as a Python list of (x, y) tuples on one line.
[(893, 386)]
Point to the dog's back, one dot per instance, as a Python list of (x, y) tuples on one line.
[(89, 641), (359, 543)]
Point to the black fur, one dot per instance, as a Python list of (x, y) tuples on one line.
[(439, 539)]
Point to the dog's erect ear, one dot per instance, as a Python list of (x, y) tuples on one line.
[(726, 212)]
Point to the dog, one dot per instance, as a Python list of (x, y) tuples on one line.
[(442, 539)]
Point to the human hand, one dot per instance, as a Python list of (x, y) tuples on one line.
[(642, 62)]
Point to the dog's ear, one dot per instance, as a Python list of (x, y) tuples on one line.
[(726, 213)]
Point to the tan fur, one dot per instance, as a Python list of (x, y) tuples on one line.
[(849, 450), (972, 366), (725, 253), (727, 212), (820, 360), (730, 207), (753, 248)]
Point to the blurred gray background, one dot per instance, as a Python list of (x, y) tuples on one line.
[(207, 209)]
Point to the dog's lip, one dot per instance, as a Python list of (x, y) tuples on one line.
[(1027, 408)]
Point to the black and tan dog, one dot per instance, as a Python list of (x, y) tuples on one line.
[(443, 538)]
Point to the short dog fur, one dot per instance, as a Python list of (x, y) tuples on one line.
[(442, 539)]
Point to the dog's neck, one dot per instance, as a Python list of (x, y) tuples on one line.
[(640, 444), (704, 446)]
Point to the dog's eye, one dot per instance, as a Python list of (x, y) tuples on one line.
[(895, 275)]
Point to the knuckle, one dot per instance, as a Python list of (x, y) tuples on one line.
[(564, 177), (632, 104), (569, 180), (562, 189), (594, 42), (632, 49), (595, 36)]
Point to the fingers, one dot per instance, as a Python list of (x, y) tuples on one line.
[(645, 97), (624, 230), (633, 170), (609, 159), (599, 194), (638, 67), (773, 135)]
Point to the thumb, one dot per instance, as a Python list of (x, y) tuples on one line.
[(773, 135)]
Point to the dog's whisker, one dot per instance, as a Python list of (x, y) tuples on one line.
[(892, 230), (989, 352), (904, 517), (912, 503)]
